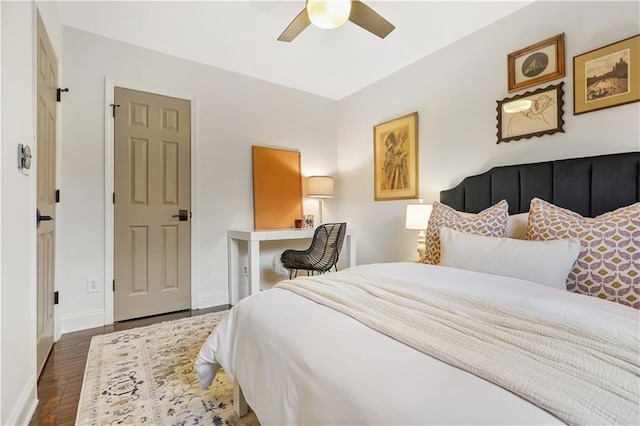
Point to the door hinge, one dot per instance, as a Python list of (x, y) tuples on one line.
[(114, 285), (56, 297), (113, 109), (114, 198), (59, 93), (57, 195)]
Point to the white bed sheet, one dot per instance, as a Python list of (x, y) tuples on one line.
[(299, 362)]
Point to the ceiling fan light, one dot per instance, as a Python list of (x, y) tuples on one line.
[(328, 13)]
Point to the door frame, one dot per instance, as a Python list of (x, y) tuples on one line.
[(110, 85)]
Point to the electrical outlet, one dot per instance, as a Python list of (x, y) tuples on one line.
[(92, 285), (245, 270)]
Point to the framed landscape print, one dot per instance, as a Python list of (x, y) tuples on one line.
[(536, 64), (531, 114), (395, 158), (607, 76)]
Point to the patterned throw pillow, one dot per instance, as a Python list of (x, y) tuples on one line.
[(608, 265), (491, 222)]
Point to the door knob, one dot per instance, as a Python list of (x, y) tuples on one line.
[(41, 218), (183, 215)]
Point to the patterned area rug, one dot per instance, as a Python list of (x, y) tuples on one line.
[(146, 376)]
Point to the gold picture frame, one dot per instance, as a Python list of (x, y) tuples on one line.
[(395, 158), (536, 64), (531, 114), (606, 77)]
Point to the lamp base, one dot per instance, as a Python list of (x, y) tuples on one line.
[(320, 205), (422, 244)]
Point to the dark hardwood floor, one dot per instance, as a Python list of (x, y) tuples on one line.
[(60, 383)]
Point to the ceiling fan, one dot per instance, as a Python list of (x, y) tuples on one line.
[(332, 14)]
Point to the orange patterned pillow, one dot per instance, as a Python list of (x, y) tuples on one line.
[(491, 222), (608, 265)]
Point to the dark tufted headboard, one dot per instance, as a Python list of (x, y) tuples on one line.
[(589, 185)]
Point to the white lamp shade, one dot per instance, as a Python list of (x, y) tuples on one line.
[(418, 216), (320, 186), (328, 13)]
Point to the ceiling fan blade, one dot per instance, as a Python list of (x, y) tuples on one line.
[(296, 26), (365, 17)]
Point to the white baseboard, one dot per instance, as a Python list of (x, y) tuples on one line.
[(215, 298), (82, 321), (25, 406)]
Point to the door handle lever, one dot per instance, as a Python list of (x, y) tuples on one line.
[(41, 218), (183, 215)]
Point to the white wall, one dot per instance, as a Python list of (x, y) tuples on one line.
[(454, 91), (234, 112), (17, 313)]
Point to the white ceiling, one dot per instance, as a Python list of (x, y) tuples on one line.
[(240, 36)]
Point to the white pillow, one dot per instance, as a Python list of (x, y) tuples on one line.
[(517, 226), (544, 262)]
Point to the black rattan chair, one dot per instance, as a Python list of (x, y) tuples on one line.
[(323, 253)]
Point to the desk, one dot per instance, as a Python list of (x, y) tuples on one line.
[(253, 238)]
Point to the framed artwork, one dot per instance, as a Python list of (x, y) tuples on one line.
[(531, 114), (536, 64), (395, 158), (606, 77)]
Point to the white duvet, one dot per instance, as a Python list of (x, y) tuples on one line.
[(299, 362)]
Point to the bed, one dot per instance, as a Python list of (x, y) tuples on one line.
[(295, 360)]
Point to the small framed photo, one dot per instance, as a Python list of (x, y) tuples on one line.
[(536, 64), (606, 77), (395, 158), (531, 114)]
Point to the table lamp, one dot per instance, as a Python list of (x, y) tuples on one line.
[(320, 187), (417, 219)]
